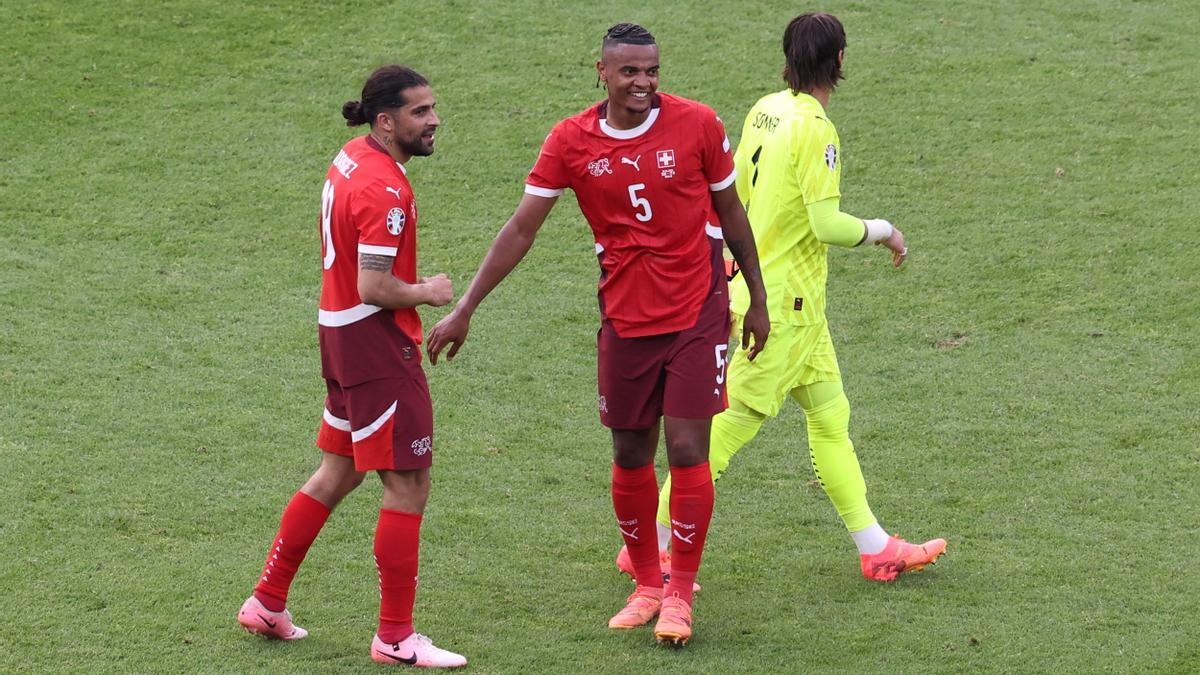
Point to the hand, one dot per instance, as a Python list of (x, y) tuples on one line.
[(895, 244), (758, 324), (451, 330), (438, 290)]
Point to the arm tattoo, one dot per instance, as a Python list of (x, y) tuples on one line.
[(375, 263)]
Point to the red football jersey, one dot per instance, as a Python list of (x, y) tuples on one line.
[(367, 206), (646, 194)]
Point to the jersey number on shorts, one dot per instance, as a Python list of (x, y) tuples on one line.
[(640, 202), (720, 351), (327, 225)]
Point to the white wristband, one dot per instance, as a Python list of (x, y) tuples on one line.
[(878, 230)]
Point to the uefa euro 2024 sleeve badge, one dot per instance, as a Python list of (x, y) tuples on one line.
[(831, 156), (395, 221)]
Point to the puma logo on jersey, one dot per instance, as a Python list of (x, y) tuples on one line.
[(632, 162), (395, 191)]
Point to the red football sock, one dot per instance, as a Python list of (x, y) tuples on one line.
[(635, 501), (691, 511), (301, 522), (397, 544)]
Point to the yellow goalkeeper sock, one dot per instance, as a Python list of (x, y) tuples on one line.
[(828, 414), (730, 431)]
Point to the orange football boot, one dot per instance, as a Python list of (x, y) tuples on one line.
[(674, 621), (642, 606), (899, 557)]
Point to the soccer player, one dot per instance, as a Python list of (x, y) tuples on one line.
[(378, 415), (653, 174), (789, 173)]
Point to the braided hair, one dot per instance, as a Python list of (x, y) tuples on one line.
[(627, 34)]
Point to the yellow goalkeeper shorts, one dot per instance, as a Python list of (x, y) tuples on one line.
[(794, 356)]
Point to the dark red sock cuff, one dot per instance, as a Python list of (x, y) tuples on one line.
[(691, 476), (634, 477)]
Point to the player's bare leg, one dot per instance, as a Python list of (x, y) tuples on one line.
[(406, 491), (333, 480), (265, 612), (691, 511)]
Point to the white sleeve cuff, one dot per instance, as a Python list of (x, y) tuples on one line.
[(717, 187), (371, 249), (536, 191), (878, 230)]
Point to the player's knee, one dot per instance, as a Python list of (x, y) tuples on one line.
[(830, 420), (406, 490), (687, 451), (634, 448), (685, 457), (741, 413)]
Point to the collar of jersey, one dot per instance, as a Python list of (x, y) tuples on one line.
[(808, 99), (624, 134), (374, 145)]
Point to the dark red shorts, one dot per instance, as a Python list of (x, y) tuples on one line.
[(382, 424), (680, 374)]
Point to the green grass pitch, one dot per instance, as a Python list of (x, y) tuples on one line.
[(1026, 386)]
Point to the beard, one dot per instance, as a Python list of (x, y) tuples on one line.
[(417, 147)]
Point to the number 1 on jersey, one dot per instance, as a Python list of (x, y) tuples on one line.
[(640, 202)]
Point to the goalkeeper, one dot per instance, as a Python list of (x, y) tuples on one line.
[(788, 173)]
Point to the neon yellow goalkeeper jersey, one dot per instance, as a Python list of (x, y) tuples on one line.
[(789, 156)]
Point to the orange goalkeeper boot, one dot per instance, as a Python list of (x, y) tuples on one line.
[(899, 557)]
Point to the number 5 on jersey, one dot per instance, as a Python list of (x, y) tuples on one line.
[(640, 203)]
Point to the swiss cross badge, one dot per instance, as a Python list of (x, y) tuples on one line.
[(666, 162)]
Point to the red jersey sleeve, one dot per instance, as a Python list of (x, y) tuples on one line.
[(549, 175), (718, 160), (381, 213)]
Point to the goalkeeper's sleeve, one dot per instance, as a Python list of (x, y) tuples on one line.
[(835, 228)]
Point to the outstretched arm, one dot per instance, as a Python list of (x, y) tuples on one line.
[(509, 247), (740, 240)]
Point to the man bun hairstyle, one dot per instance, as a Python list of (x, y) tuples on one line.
[(811, 44), (384, 90), (627, 34), (353, 112)]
